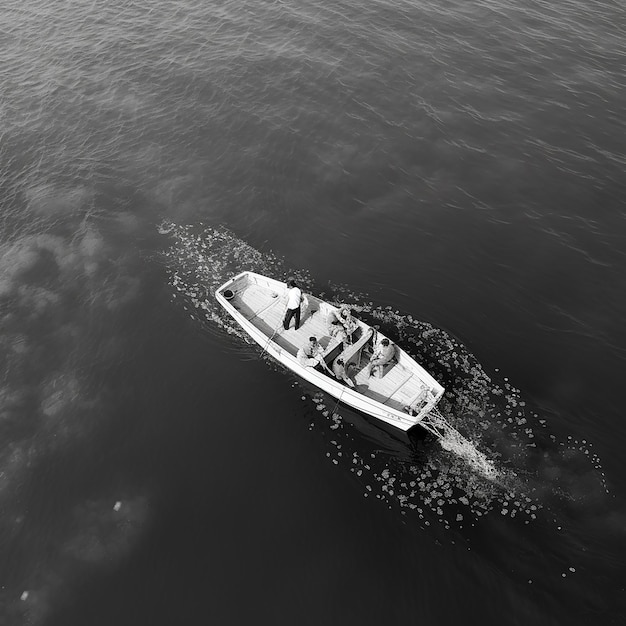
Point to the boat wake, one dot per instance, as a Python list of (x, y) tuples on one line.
[(495, 452), (453, 441)]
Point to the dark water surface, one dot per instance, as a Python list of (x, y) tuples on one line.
[(453, 170)]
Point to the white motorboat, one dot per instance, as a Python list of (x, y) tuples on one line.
[(402, 393)]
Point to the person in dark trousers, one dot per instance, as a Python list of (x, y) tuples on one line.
[(294, 298)]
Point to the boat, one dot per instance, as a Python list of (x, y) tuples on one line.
[(402, 393)]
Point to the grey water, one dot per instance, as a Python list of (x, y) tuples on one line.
[(454, 171)]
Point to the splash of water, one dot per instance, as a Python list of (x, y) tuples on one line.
[(453, 441)]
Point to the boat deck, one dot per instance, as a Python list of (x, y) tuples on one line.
[(399, 385)]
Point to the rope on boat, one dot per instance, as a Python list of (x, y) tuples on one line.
[(272, 337), (338, 401)]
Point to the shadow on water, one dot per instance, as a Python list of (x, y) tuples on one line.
[(545, 519)]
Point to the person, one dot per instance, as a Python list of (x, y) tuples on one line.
[(312, 354), (340, 372), (342, 324), (383, 353), (294, 298), (336, 330)]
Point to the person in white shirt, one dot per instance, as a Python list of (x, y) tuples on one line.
[(294, 298), (312, 354), (383, 353)]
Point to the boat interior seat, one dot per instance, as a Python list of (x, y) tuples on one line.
[(379, 371), (421, 399), (333, 349), (351, 351)]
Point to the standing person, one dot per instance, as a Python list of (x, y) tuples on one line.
[(294, 298)]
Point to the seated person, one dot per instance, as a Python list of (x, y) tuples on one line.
[(336, 330), (341, 372), (312, 354), (383, 353), (343, 322)]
